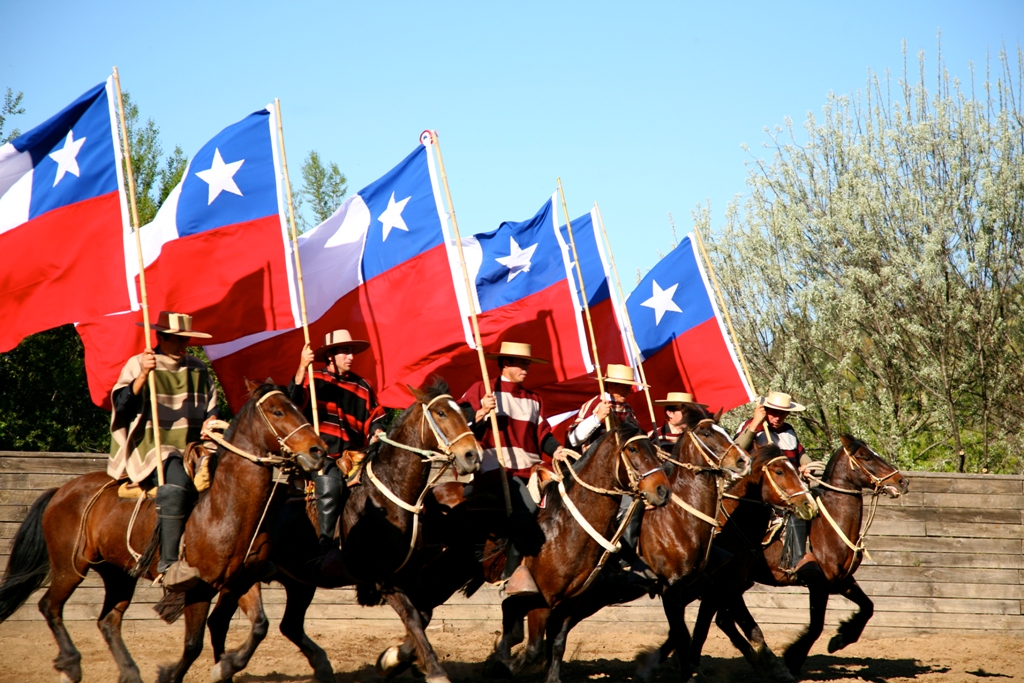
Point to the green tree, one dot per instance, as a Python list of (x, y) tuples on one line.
[(874, 270), (155, 176), (12, 107), (323, 189)]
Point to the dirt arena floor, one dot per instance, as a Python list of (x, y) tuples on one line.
[(27, 649)]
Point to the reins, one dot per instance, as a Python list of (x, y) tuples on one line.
[(278, 460), (445, 456)]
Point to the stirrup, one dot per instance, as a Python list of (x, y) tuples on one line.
[(521, 582), (180, 577)]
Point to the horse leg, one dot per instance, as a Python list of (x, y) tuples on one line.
[(119, 589), (760, 655), (69, 660), (397, 659), (558, 627), (414, 626), (230, 663), (849, 631), (513, 610), (298, 596), (195, 623), (537, 622), (796, 654)]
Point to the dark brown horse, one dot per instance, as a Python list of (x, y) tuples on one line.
[(382, 540), (837, 551), (675, 539), (622, 461), (83, 525), (773, 483)]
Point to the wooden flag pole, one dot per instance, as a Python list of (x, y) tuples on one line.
[(298, 261), (586, 305), (625, 316), (721, 304), (142, 280), (476, 326)]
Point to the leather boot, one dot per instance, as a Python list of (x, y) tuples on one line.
[(173, 504), (329, 498), (637, 571), (519, 580)]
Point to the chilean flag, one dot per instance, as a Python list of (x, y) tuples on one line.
[(379, 267), (523, 292), (604, 315), (218, 250), (62, 218), (683, 342)]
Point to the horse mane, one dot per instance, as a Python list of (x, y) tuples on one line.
[(763, 454), (855, 443), (693, 413), (625, 432), (438, 387)]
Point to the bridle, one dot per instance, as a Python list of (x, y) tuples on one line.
[(287, 457), (445, 456), (766, 470)]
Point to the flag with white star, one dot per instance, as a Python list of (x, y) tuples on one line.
[(63, 216), (682, 339), (219, 249)]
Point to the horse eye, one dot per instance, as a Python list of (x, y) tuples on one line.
[(778, 472), (441, 413), (278, 412)]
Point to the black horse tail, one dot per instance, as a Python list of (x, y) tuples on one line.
[(29, 564)]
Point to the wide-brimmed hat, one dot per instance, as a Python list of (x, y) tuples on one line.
[(676, 398), (333, 340), (621, 374), (780, 401), (175, 323), (517, 350)]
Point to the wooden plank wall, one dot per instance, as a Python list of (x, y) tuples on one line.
[(948, 556)]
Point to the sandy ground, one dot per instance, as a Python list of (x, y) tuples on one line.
[(27, 649)]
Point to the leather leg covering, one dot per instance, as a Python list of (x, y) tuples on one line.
[(330, 498)]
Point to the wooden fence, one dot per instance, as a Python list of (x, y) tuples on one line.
[(946, 557)]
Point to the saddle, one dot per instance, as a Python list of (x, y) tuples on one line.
[(197, 467)]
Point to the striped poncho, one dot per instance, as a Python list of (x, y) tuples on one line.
[(186, 396)]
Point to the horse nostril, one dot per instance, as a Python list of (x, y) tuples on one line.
[(662, 492), (316, 451)]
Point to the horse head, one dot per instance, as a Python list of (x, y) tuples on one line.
[(638, 463), (283, 429), (866, 469), (448, 430), (781, 485), (713, 444)]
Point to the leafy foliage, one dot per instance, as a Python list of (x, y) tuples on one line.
[(323, 189), (12, 107), (875, 270), (155, 176)]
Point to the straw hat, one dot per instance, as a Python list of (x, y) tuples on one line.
[(676, 398), (179, 324), (621, 374), (780, 401), (333, 340), (517, 350)]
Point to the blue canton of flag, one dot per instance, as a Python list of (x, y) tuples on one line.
[(404, 216), (670, 300), (73, 154), (519, 259), (232, 179)]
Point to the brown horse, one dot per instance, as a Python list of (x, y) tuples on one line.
[(837, 551), (675, 539), (83, 525), (773, 483), (569, 556), (382, 539)]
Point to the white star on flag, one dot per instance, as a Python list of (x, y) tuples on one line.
[(392, 216), (519, 260), (661, 301), (220, 176), (66, 157)]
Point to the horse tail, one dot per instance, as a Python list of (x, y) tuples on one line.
[(29, 564)]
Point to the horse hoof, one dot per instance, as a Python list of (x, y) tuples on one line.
[(836, 644), (221, 672), (64, 678), (388, 661), (495, 668)]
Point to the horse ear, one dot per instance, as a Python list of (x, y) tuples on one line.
[(718, 415), (270, 380), (250, 386), (847, 441), (416, 393)]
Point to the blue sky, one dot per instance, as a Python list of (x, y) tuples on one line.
[(640, 106)]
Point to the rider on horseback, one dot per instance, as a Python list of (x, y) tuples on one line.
[(588, 427), (769, 425), (527, 442), (667, 435), (185, 389), (349, 416)]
